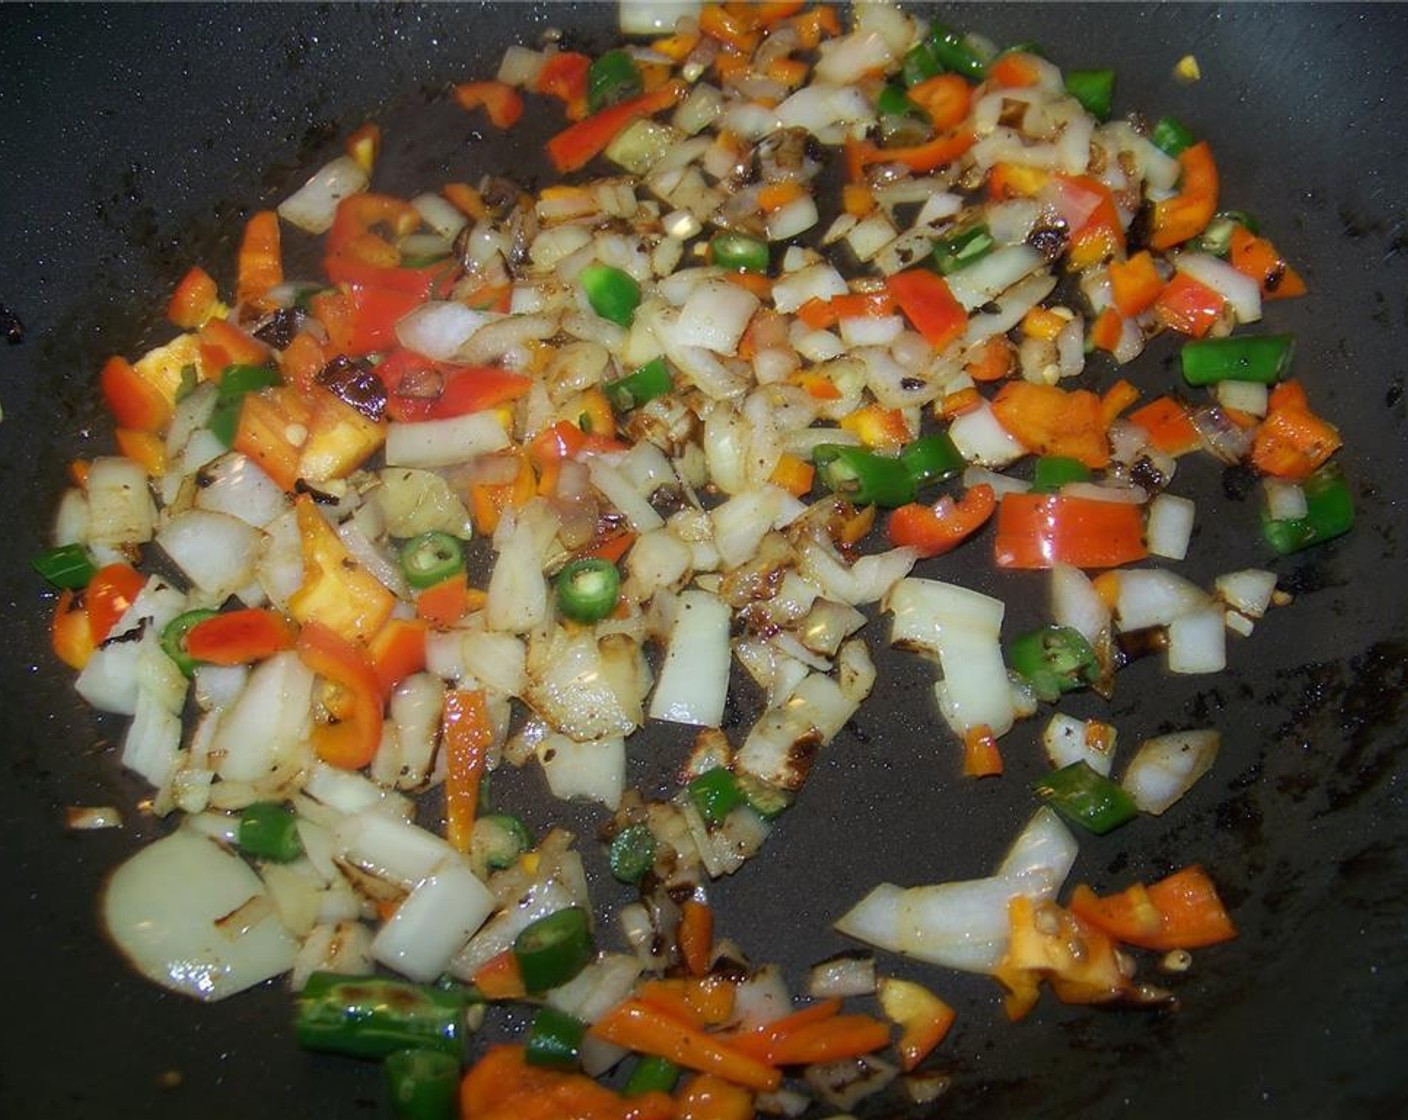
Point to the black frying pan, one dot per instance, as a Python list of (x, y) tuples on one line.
[(133, 139)]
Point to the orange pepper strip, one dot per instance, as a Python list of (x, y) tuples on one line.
[(71, 633), (1188, 212), (445, 603), (1188, 306), (108, 595), (1135, 283), (223, 344), (1116, 399), (841, 1036), (1257, 258), (503, 1086), (774, 196), (260, 264), (637, 1025), (941, 527), (991, 361), (793, 474), (466, 734), (194, 300), (945, 97), (133, 400), (352, 741), (499, 100), (1292, 441), (935, 153), (499, 977), (707, 1097), (1170, 430), (239, 637), (696, 936), (577, 145), (1014, 70), (1192, 912), (1049, 420), (1129, 916), (1036, 531), (397, 650), (760, 1041), (1106, 331), (981, 756), (924, 1019)]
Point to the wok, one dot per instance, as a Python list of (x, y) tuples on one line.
[(133, 139)]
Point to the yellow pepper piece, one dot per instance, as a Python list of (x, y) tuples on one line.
[(337, 591)]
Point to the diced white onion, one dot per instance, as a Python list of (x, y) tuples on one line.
[(314, 205), (1166, 766), (433, 922), (440, 443), (1169, 527)]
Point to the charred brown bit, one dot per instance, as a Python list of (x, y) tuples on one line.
[(356, 385)]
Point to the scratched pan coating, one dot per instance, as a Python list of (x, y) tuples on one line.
[(134, 139)]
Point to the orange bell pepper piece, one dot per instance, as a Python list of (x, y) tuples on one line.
[(108, 595), (1049, 420), (935, 529), (499, 100), (466, 734), (1291, 441), (260, 263), (1258, 259), (945, 97), (71, 632), (640, 1026), (195, 300), (352, 695), (1188, 212), (924, 1019), (981, 756), (1135, 283), (397, 650), (1188, 306), (134, 401), (1036, 531)]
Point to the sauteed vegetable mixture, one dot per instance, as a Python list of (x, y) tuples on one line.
[(815, 301)]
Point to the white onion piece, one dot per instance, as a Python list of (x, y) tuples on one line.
[(842, 976), (793, 219), (541, 898), (1248, 591), (415, 708), (216, 935), (715, 316), (820, 106), (216, 551), (1154, 597), (1012, 305), (440, 329), (1169, 527), (433, 922), (1066, 740), (817, 281), (1076, 603), (1041, 856), (440, 214), (120, 506), (986, 279), (393, 850), (268, 723), (1197, 642), (150, 747), (441, 443), (71, 519), (1285, 501), (740, 523), (517, 596), (1239, 290), (1251, 397), (617, 489), (347, 791), (693, 682), (235, 485), (1166, 766), (339, 946), (847, 59), (653, 17), (981, 438), (314, 205), (594, 770)]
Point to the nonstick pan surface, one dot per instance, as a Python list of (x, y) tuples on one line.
[(133, 139)]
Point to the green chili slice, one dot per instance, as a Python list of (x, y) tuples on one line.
[(953, 52), (613, 294), (1171, 136), (1055, 659), (422, 1084), (739, 251), (1094, 89), (932, 458), (768, 801), (1329, 513), (715, 794), (67, 566), (632, 852), (1217, 237), (431, 558), (235, 383), (652, 1074), (372, 1016), (611, 78), (863, 476), (919, 65), (1261, 358), (1086, 798), (635, 389), (502, 838), (173, 638), (962, 249), (554, 949), (270, 831), (587, 589), (1054, 471), (554, 1040)]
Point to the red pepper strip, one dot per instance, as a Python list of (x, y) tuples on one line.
[(821, 314), (639, 1026), (194, 300), (564, 76), (71, 632), (418, 388), (108, 595), (397, 650), (761, 1041), (133, 400), (577, 145), (929, 305), (1188, 212), (499, 100), (443, 604), (355, 701), (1188, 306), (260, 263), (1036, 531), (466, 734), (935, 529), (374, 314), (936, 153), (351, 233), (945, 97), (222, 344), (833, 1039), (432, 280), (1049, 420), (239, 637)]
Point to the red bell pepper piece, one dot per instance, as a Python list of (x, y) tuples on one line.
[(498, 99), (260, 262), (108, 595), (1036, 531), (929, 305), (239, 637), (564, 76), (418, 388), (434, 280), (133, 400), (194, 300), (353, 698), (921, 158), (1188, 306), (397, 650), (352, 233), (222, 344), (935, 529), (374, 314), (577, 145)]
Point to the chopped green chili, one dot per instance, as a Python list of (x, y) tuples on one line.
[(1094, 89), (739, 251), (173, 638), (554, 1040), (372, 1016), (962, 249), (1217, 237), (768, 801), (422, 1084), (632, 852), (954, 52), (235, 383), (613, 294), (863, 476), (1261, 358), (652, 1074), (611, 78), (587, 589), (932, 458), (919, 65), (1171, 136), (67, 566), (635, 389), (503, 838), (1054, 659), (715, 794), (1086, 798), (554, 949), (1053, 472), (431, 558), (270, 831), (1329, 513)]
